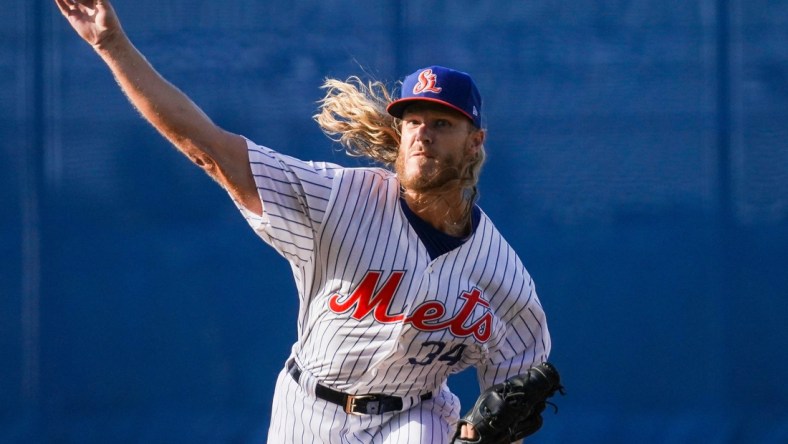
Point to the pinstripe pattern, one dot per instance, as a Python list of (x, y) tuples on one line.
[(377, 314), (299, 418)]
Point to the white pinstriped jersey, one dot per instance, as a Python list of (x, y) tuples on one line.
[(377, 313)]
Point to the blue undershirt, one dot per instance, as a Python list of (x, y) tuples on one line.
[(437, 242)]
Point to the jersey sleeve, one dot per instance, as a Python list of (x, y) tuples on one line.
[(294, 194), (524, 342)]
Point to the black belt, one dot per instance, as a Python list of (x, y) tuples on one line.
[(355, 404)]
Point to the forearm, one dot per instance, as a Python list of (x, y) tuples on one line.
[(162, 104), (221, 154)]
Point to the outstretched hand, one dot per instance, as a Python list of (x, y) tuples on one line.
[(94, 20)]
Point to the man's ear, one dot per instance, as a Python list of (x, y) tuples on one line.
[(477, 140)]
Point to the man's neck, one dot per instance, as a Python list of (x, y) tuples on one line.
[(448, 212)]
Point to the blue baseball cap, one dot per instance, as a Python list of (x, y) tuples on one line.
[(441, 85)]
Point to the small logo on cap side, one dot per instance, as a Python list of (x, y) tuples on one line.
[(427, 82)]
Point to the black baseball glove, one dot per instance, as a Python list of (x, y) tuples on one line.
[(511, 410)]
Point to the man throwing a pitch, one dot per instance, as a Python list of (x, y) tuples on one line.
[(402, 279)]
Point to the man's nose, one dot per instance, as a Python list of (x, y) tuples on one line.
[(423, 133)]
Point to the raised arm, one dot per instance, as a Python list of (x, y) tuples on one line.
[(223, 155)]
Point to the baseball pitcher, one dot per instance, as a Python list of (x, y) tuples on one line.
[(402, 279)]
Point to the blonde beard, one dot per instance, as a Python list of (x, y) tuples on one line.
[(440, 179), (443, 186)]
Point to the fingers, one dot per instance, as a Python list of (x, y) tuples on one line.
[(71, 5), (64, 6), (67, 5), (74, 7), (89, 3), (467, 432)]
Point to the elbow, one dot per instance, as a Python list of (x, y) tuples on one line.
[(209, 165), (203, 161)]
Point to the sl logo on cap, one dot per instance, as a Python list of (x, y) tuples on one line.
[(427, 81)]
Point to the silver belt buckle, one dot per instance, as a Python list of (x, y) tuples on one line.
[(372, 407)]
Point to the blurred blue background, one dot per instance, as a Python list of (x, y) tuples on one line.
[(638, 162)]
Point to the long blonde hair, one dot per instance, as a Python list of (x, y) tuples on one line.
[(353, 113)]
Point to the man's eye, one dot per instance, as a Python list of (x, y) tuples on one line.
[(442, 123)]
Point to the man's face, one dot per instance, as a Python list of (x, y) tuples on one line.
[(436, 143)]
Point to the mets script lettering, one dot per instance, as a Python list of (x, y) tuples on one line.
[(364, 301)]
